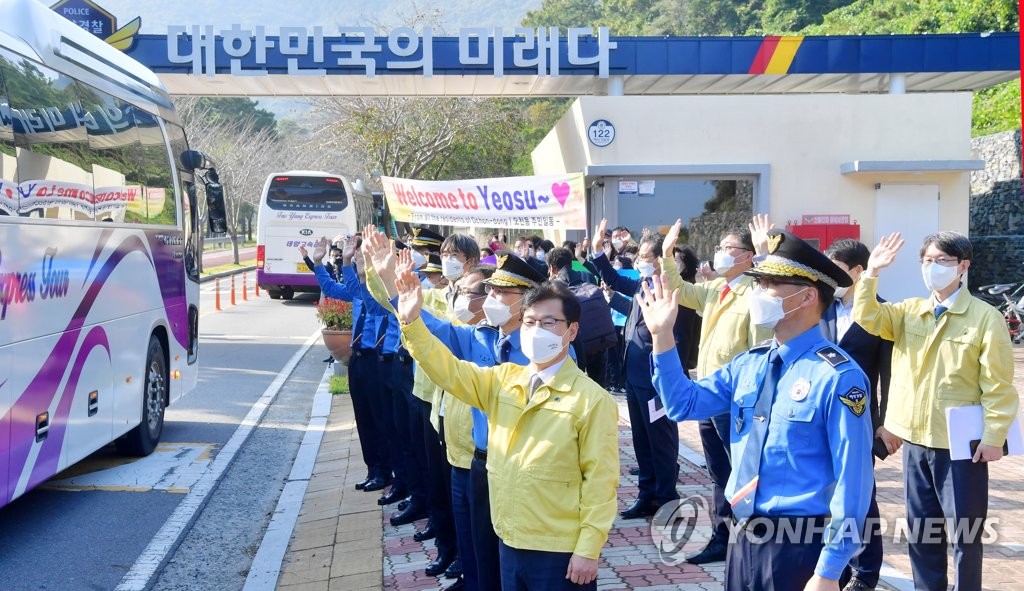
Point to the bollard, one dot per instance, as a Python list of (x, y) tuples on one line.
[(245, 287), (257, 286), (232, 290), (216, 287)]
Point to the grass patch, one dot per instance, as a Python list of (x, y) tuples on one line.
[(338, 385), (228, 267)]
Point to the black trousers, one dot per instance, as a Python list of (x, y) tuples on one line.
[(397, 376), (595, 365), (419, 473), (439, 488), (760, 560), (535, 570), (485, 541), (866, 564), (656, 444), (365, 387), (714, 438), (937, 487)]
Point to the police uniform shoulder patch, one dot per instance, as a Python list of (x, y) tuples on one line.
[(762, 346), (856, 400), (832, 356)]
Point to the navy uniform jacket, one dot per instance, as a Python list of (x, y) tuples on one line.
[(816, 459), (364, 323), (872, 353), (636, 356)]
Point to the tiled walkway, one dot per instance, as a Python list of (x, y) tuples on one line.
[(342, 541)]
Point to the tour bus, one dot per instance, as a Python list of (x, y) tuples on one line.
[(99, 287), (297, 208)]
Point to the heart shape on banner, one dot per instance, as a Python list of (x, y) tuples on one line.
[(561, 192)]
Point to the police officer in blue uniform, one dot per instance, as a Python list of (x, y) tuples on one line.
[(801, 433)]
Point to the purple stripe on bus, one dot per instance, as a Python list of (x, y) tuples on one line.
[(100, 245), (48, 458), (38, 396), (286, 279)]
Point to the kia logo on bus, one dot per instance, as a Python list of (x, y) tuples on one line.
[(306, 232)]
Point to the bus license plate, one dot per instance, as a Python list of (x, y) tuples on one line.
[(302, 268)]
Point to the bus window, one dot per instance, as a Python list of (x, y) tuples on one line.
[(307, 193), (8, 156), (114, 148), (189, 208), (158, 189)]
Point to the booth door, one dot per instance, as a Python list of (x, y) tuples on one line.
[(913, 211)]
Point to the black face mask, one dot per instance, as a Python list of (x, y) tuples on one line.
[(338, 261)]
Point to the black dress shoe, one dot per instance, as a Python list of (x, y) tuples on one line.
[(454, 571), (458, 585), (410, 514), (425, 534), (634, 471), (714, 552), (362, 485), (439, 566), (378, 483), (640, 508), (392, 496), (404, 503)]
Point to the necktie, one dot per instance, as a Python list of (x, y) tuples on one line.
[(725, 292), (746, 473), (939, 311), (504, 349), (535, 382)]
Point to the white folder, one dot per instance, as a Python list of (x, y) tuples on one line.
[(967, 423)]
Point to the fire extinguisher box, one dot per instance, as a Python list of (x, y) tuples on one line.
[(822, 230)]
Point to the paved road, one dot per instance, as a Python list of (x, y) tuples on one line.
[(223, 257), (88, 527)]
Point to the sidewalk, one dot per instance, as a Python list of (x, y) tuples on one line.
[(342, 540)]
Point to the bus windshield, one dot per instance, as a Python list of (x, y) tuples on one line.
[(307, 193)]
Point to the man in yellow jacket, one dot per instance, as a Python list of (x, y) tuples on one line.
[(950, 349), (553, 453)]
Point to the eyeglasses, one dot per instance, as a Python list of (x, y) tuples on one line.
[(944, 261), (720, 248), (473, 294), (545, 323), (500, 291)]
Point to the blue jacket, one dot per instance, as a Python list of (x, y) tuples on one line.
[(816, 459)]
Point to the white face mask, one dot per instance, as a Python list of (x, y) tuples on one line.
[(618, 243), (841, 292), (497, 313), (541, 255), (539, 345), (462, 311), (724, 261), (937, 277), (418, 260), (766, 310), (427, 284), (645, 269), (451, 268)]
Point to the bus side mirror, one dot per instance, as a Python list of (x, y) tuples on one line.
[(217, 218), (193, 159)]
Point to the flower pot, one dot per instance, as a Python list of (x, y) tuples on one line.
[(339, 343)]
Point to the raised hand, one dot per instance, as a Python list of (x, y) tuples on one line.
[(759, 233), (405, 263), (410, 297), (581, 249), (378, 251), (645, 234), (885, 253), (660, 305), (303, 251), (671, 237), (320, 250), (599, 236)]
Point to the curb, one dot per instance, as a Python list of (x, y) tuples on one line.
[(208, 278)]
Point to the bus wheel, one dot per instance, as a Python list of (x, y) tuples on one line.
[(142, 440), (274, 294), (287, 293)]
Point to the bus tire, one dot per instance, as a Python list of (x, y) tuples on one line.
[(287, 293), (142, 440), (274, 294)]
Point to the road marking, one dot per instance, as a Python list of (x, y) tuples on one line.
[(172, 467), (266, 565), (169, 536)]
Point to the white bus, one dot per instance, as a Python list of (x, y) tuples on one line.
[(296, 209), (99, 288)]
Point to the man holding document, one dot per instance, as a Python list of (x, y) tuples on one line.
[(949, 350)]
